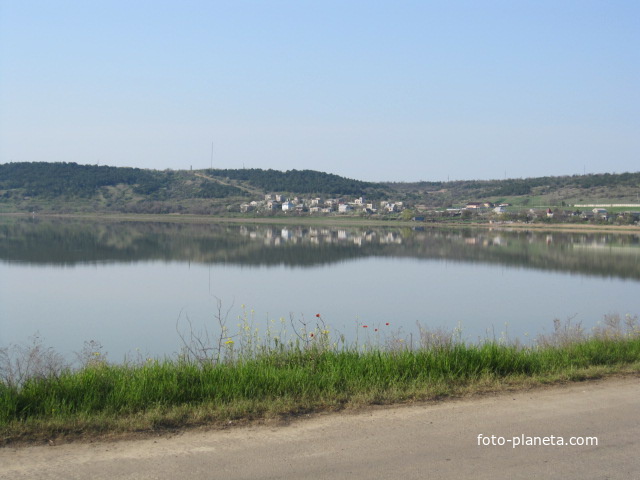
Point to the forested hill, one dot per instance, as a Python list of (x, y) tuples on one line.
[(69, 179), (51, 179), (132, 189), (525, 186), (69, 187), (560, 190), (301, 181)]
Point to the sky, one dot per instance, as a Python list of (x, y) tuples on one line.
[(373, 90)]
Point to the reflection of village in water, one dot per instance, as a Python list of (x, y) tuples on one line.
[(602, 254), (55, 241), (276, 236)]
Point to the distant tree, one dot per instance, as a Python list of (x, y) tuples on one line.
[(408, 214)]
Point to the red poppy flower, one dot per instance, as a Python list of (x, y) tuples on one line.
[(365, 326), (375, 329), (387, 324), (311, 335), (318, 315)]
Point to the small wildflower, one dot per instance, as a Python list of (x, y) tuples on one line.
[(229, 342), (311, 335), (387, 324), (318, 315), (365, 326), (375, 329)]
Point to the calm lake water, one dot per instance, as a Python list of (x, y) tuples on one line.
[(132, 285)]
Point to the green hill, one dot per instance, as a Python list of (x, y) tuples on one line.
[(547, 191), (69, 187)]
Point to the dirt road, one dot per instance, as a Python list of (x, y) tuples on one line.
[(429, 441)]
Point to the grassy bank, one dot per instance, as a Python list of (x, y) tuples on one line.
[(101, 398)]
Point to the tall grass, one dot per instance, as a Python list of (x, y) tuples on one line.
[(297, 377)]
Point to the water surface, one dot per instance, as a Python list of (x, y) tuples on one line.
[(130, 285)]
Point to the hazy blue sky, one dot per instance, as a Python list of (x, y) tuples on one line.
[(375, 90)]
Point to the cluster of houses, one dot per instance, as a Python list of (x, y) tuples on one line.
[(505, 212), (479, 207), (274, 202), (594, 214)]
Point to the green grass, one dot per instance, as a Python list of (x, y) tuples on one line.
[(101, 398)]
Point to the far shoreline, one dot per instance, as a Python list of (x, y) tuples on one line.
[(329, 221)]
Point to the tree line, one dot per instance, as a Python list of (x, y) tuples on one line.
[(42, 179), (301, 181), (50, 180)]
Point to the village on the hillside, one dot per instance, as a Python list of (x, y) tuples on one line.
[(317, 205), (274, 204)]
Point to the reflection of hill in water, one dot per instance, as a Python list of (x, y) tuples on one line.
[(71, 242)]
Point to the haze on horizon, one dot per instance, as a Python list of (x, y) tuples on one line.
[(391, 91)]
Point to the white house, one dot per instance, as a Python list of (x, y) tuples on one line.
[(286, 206)]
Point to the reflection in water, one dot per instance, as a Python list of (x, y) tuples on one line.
[(130, 282), (72, 242)]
